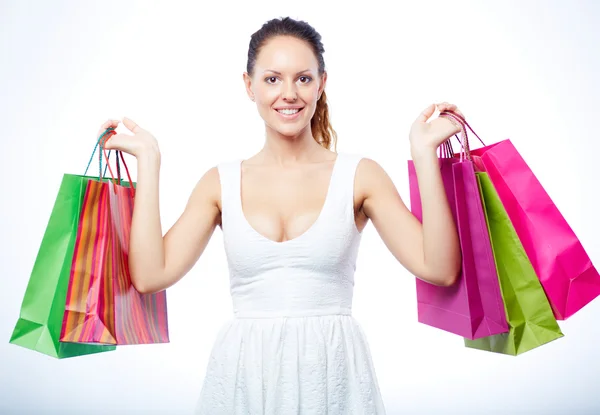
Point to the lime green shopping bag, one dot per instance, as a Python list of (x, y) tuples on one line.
[(530, 317), (40, 321)]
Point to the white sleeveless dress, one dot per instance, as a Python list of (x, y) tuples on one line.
[(293, 346)]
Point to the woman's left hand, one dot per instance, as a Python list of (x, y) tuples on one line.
[(428, 136)]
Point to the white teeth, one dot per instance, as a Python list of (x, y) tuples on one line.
[(289, 111)]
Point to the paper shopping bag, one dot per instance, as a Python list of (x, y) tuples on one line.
[(102, 306), (565, 270), (39, 325), (530, 317), (473, 306)]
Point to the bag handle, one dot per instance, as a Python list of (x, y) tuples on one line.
[(110, 131), (445, 150), (119, 154), (100, 143), (463, 122), (465, 152)]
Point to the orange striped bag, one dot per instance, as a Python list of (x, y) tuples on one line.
[(102, 306)]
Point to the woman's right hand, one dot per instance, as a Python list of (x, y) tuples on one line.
[(139, 144)]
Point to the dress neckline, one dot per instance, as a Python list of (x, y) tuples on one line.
[(309, 229)]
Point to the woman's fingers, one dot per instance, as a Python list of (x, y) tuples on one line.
[(108, 124), (131, 125), (446, 106), (426, 114)]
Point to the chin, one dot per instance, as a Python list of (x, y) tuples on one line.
[(289, 131)]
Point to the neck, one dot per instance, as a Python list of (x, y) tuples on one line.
[(285, 150)]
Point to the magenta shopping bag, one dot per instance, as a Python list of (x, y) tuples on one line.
[(473, 307), (565, 270)]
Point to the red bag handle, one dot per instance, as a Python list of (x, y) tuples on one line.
[(119, 153)]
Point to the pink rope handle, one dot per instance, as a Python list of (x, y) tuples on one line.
[(463, 121), (445, 150), (465, 152)]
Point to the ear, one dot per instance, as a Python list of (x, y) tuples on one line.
[(322, 86), (248, 83)]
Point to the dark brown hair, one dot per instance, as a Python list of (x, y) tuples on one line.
[(321, 128)]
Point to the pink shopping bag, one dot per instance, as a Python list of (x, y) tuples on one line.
[(562, 265), (473, 307)]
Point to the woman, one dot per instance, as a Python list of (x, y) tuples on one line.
[(292, 217)]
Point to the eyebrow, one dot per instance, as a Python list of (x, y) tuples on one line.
[(279, 73)]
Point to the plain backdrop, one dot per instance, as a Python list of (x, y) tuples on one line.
[(525, 70)]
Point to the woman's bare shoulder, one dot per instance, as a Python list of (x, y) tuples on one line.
[(208, 188)]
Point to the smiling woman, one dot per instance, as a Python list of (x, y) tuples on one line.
[(292, 217), (287, 47)]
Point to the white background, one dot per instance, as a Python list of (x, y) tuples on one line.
[(524, 70)]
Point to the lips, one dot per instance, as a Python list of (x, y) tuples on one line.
[(289, 113), (289, 110)]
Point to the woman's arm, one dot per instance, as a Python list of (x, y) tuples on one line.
[(157, 262), (431, 250)]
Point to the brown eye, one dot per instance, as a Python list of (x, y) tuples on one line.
[(305, 79), (271, 80)]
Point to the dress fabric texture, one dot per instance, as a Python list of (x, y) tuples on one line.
[(293, 346)]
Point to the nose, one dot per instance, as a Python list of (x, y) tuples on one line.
[(289, 91)]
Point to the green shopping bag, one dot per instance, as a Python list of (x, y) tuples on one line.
[(40, 322), (530, 317)]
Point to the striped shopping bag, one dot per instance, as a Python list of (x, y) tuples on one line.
[(102, 306)]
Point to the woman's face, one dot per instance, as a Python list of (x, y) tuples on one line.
[(286, 85)]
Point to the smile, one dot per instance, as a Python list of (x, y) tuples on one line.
[(289, 113)]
